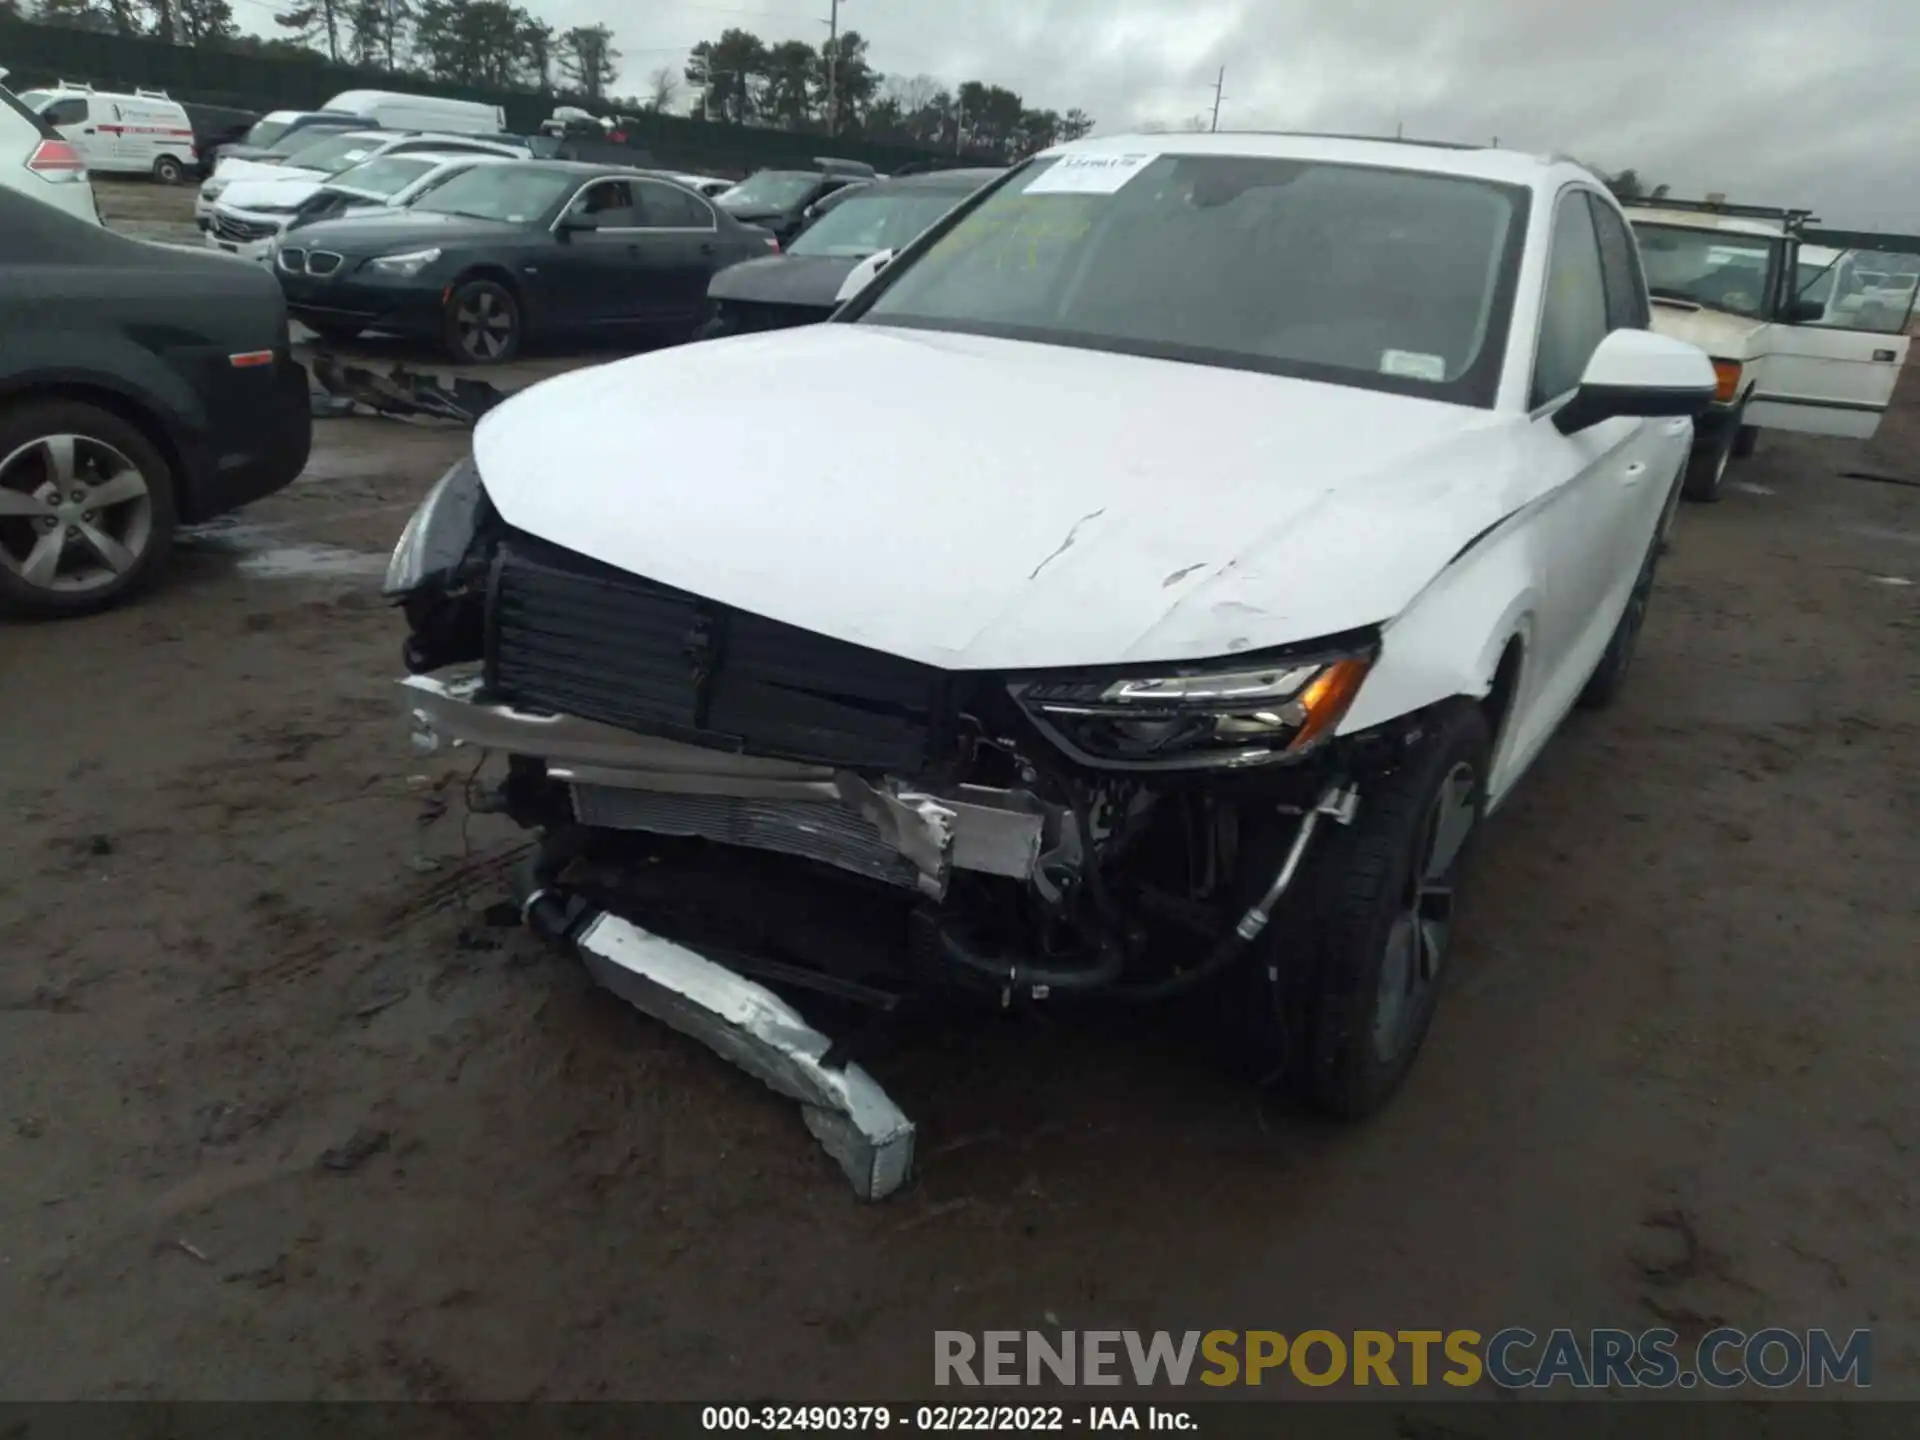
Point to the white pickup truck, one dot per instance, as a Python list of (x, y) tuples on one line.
[(1807, 328)]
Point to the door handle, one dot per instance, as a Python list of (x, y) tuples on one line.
[(707, 247)]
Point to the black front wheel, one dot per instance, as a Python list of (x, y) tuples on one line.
[(482, 324), (169, 171), (1382, 935)]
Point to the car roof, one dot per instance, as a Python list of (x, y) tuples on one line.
[(1707, 220), (956, 179), (1474, 162)]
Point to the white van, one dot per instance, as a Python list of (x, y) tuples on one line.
[(144, 133), (395, 111), (36, 162)]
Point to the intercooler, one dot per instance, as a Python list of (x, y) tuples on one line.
[(822, 830)]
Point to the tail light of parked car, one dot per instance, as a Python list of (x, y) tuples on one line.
[(56, 160)]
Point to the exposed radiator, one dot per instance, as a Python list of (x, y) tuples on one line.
[(821, 830)]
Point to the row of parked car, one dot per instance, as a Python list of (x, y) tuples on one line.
[(477, 243)]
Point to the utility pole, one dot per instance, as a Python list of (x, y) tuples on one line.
[(959, 123), (1218, 85), (833, 67)]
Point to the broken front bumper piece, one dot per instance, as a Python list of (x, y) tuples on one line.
[(620, 780), (844, 1107)]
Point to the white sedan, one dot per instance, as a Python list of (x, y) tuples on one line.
[(1215, 528), (250, 218)]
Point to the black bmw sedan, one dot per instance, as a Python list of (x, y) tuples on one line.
[(504, 252)]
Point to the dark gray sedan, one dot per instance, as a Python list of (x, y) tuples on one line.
[(802, 287)]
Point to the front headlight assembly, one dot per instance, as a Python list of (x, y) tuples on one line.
[(440, 533), (404, 266), (1198, 717)]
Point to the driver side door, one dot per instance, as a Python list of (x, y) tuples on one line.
[(1602, 489), (1835, 373), (590, 271)]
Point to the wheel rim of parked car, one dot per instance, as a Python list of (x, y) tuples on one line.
[(483, 324), (1417, 939), (75, 513)]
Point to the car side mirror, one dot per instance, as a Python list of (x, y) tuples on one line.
[(862, 275), (1805, 312), (1639, 374)]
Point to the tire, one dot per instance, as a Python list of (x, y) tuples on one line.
[(1610, 675), (169, 171), (1745, 441), (483, 323), (96, 554), (1379, 938), (1707, 466)]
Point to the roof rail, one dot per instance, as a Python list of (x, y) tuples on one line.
[(845, 167), (1792, 219), (1344, 135), (150, 94), (82, 86)]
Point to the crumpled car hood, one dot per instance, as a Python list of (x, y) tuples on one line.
[(287, 189), (979, 503)]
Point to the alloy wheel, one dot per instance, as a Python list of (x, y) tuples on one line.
[(1418, 937), (483, 324), (75, 513)]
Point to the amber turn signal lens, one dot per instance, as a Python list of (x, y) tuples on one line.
[(1726, 380), (1326, 699)]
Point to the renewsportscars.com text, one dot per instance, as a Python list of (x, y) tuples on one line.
[(1514, 1358)]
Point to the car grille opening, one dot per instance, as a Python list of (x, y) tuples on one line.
[(229, 228), (569, 634), (293, 259), (322, 262)]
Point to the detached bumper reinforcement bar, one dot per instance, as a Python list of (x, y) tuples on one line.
[(744, 1022)]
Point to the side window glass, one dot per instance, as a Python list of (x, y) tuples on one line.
[(1620, 264), (1871, 290), (609, 205), (666, 208), (65, 112), (1573, 314)]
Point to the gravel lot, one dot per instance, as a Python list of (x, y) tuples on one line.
[(282, 1116)]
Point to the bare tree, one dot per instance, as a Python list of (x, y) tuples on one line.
[(588, 59), (663, 88), (911, 92)]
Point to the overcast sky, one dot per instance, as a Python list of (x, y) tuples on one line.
[(1790, 102)]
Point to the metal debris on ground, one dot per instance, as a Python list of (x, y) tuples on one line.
[(399, 393)]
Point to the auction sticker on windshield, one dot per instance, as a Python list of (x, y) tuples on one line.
[(1088, 174)]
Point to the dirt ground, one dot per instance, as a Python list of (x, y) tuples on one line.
[(282, 1116)]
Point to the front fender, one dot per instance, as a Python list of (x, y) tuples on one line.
[(1449, 640)]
